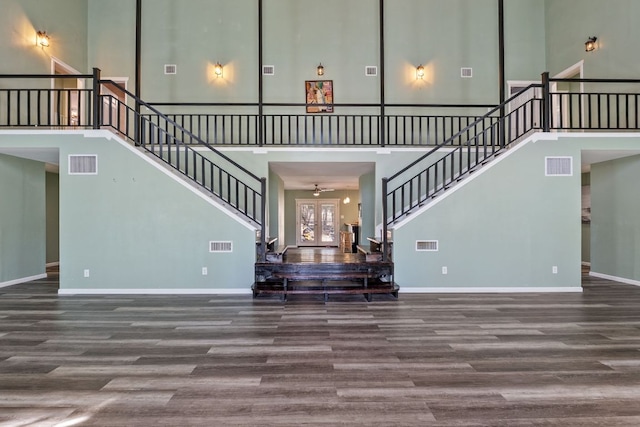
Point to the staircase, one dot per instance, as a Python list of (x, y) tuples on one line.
[(433, 173)]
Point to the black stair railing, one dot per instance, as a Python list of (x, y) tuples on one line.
[(216, 173), (358, 125), (49, 101), (438, 169), (594, 104), (57, 102)]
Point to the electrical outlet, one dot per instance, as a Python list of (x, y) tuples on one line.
[(86, 272), (205, 271), (444, 270), (554, 269)]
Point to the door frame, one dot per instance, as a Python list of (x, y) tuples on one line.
[(318, 221)]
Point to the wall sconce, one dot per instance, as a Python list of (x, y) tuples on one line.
[(590, 45), (217, 70), (42, 39), (320, 70), (419, 72)]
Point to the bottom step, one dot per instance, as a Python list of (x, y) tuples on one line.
[(327, 288)]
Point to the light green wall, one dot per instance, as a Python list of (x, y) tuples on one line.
[(524, 39), (112, 37), (22, 218), (134, 227), (507, 227), (299, 34), (194, 35), (53, 216), (64, 20), (276, 205), (615, 209), (368, 194), (569, 23)]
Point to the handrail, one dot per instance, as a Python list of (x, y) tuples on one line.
[(462, 132), (46, 76), (481, 142), (182, 129), (246, 197), (573, 80)]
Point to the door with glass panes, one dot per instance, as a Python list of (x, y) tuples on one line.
[(317, 222)]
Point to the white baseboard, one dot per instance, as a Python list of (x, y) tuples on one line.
[(514, 290), (23, 280), (167, 291), (53, 264), (614, 278)]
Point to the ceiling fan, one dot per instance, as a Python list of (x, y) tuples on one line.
[(317, 190)]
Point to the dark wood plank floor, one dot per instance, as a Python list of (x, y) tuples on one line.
[(427, 360), (321, 255)]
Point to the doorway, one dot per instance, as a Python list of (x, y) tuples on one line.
[(317, 222), (67, 105)]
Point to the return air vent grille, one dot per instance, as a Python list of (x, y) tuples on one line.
[(371, 71), (220, 246), (268, 70), (466, 72), (170, 69), (558, 166), (83, 164), (427, 245)]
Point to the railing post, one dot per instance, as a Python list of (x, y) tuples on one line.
[(385, 243), (262, 252), (546, 103), (97, 102)]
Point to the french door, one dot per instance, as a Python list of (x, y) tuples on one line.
[(317, 222)]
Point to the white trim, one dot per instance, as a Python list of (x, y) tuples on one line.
[(615, 278), (156, 291), (467, 290), (577, 68), (23, 280), (110, 135), (53, 264)]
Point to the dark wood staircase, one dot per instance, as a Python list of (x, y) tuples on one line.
[(323, 271)]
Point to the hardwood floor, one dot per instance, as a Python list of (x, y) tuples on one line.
[(427, 360)]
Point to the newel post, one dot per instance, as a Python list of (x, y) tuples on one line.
[(262, 253), (97, 103), (385, 242), (546, 103)]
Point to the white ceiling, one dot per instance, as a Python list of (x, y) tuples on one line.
[(336, 175)]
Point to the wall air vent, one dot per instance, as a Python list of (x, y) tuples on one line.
[(83, 164), (558, 166), (268, 70), (170, 69), (466, 72), (220, 246), (427, 245), (371, 71)]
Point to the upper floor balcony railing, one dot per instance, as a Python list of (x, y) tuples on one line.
[(353, 125)]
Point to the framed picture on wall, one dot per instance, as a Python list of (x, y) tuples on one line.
[(319, 93)]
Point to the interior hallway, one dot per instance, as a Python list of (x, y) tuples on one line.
[(438, 360)]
